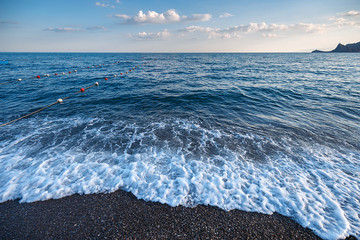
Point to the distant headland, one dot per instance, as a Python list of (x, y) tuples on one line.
[(352, 47)]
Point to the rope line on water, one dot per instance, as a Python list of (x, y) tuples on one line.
[(7, 82), (27, 115), (66, 72), (60, 100)]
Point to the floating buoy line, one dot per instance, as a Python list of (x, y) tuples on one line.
[(62, 73), (61, 100)]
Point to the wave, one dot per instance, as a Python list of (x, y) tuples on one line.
[(184, 161)]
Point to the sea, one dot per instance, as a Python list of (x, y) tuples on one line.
[(259, 132)]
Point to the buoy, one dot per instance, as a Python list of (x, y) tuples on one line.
[(129, 70), (82, 90), (38, 76), (96, 84), (69, 72), (47, 75), (106, 79), (59, 100), (63, 73), (55, 74), (125, 72), (120, 73), (114, 75), (75, 70), (88, 67), (19, 79)]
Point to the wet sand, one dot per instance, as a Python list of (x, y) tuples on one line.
[(120, 215)]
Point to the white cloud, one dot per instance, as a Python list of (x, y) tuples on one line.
[(258, 27), (347, 19), (65, 29), (309, 27), (268, 30), (350, 14), (79, 29), (104, 4), (152, 36), (197, 18), (269, 35), (122, 16), (343, 22), (226, 15), (97, 28), (211, 32), (235, 32), (170, 16), (154, 17)]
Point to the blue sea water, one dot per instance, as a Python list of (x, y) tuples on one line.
[(256, 132)]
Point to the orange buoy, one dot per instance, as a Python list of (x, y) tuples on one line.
[(38, 76), (69, 72), (106, 79), (82, 90), (55, 74), (120, 73)]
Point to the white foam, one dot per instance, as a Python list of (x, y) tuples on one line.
[(181, 162)]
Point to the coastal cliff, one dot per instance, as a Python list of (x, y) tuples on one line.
[(352, 47)]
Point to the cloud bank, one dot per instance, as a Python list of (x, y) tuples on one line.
[(265, 30), (268, 30)]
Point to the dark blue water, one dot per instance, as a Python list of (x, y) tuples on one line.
[(258, 132)]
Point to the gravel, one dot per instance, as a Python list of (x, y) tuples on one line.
[(120, 215)]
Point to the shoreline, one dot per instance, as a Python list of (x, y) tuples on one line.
[(120, 215)]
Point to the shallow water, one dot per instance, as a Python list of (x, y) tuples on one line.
[(256, 132)]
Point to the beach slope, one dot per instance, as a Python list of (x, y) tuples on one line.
[(121, 215)]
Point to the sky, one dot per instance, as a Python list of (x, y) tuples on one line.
[(177, 26)]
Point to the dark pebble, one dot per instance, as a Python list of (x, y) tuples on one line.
[(120, 215)]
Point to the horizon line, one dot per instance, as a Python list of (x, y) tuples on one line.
[(135, 52)]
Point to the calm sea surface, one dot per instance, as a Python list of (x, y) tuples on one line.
[(256, 132)]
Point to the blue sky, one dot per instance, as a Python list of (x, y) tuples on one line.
[(177, 26)]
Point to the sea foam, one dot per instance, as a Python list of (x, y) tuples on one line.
[(184, 162)]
